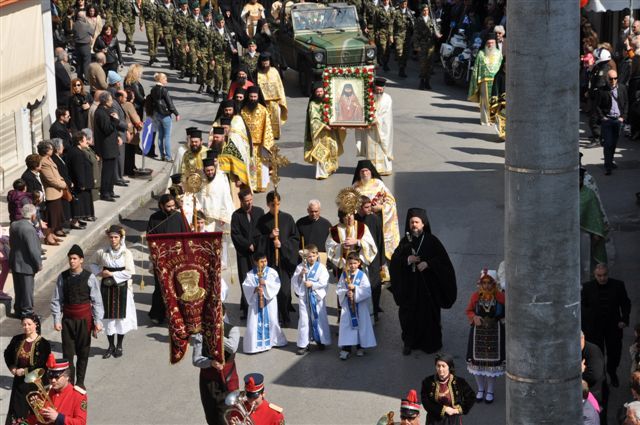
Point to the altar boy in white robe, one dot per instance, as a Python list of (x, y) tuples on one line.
[(354, 292), (260, 288), (310, 282)]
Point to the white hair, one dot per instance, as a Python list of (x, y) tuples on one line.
[(499, 28), (314, 202), (28, 210), (634, 406)]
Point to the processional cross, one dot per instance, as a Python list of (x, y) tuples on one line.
[(277, 161)]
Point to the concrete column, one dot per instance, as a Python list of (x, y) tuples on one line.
[(542, 216)]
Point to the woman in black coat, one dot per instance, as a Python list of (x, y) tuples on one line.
[(132, 82), (108, 44), (445, 396), (81, 174), (25, 353), (79, 104), (59, 158)]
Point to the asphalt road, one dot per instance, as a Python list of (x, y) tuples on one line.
[(444, 162)]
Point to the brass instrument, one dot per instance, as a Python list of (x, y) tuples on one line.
[(386, 419), (261, 276), (237, 413), (37, 399)]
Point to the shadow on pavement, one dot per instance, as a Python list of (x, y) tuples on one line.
[(481, 151)]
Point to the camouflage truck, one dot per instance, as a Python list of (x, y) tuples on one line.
[(313, 36)]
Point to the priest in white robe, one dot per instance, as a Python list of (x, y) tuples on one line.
[(376, 142), (260, 289), (215, 197), (350, 236), (310, 282)]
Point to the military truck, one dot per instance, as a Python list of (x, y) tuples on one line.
[(313, 36)]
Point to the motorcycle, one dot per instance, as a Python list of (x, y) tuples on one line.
[(457, 57)]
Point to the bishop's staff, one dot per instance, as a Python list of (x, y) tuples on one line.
[(277, 161)]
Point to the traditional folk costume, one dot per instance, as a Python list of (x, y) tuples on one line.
[(485, 68), (215, 200), (376, 142), (379, 194), (214, 384), (21, 353), (313, 322), (263, 330), (421, 295), (273, 91), (355, 323), (77, 305), (486, 346), (259, 125), (117, 292), (452, 392), (322, 143)]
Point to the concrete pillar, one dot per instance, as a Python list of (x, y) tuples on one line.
[(542, 216)]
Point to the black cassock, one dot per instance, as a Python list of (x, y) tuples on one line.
[(374, 223), (421, 295), (314, 232), (161, 222), (290, 242)]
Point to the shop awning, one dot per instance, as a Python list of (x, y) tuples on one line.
[(604, 5)]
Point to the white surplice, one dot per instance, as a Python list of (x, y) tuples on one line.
[(320, 279), (363, 334), (216, 203), (253, 342), (376, 142), (367, 250)]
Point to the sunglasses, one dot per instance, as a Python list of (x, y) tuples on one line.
[(77, 85)]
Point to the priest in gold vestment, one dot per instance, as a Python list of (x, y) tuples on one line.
[(322, 143), (192, 158), (273, 91), (256, 117)]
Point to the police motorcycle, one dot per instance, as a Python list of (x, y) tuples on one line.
[(458, 56)]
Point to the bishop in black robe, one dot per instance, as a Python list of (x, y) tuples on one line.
[(288, 252), (423, 281), (166, 220)]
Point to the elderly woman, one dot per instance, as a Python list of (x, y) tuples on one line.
[(54, 184), (134, 127), (26, 352), (79, 104), (485, 350), (81, 174), (58, 157), (95, 164), (114, 265), (445, 396), (107, 43)]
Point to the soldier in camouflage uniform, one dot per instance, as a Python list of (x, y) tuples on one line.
[(204, 46), (405, 22), (165, 28), (181, 44), (424, 39), (369, 13), (106, 10), (129, 14), (384, 28), (116, 15), (224, 47), (250, 60), (150, 22), (193, 22)]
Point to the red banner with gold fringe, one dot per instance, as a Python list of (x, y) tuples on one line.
[(188, 268)]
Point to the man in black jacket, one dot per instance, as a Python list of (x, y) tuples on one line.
[(611, 112), (605, 313), (106, 127), (374, 223), (63, 79), (243, 232), (60, 128)]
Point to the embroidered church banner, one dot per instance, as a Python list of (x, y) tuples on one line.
[(188, 269)]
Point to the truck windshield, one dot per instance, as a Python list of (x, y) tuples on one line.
[(326, 18)]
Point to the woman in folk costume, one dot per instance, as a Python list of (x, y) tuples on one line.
[(115, 266), (486, 348), (310, 282), (368, 182), (354, 293)]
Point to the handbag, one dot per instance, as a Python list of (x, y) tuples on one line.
[(67, 195)]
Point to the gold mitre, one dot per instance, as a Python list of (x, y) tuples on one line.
[(348, 200)]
